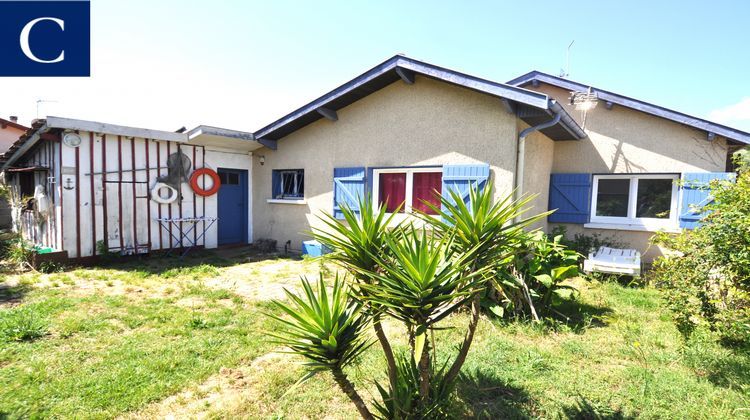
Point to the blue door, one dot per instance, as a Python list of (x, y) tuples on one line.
[(233, 211)]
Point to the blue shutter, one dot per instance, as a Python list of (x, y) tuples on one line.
[(348, 188), (459, 177), (695, 195), (275, 184), (570, 196)]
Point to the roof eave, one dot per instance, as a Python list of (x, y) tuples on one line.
[(628, 102), (412, 66)]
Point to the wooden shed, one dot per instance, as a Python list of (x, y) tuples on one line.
[(87, 188)]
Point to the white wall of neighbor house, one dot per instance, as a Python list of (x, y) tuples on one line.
[(427, 123), (128, 222)]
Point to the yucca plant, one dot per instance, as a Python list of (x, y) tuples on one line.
[(357, 242), (420, 282), (328, 329), (403, 401), (486, 233)]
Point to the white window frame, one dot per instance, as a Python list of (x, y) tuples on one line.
[(632, 222), (409, 196)]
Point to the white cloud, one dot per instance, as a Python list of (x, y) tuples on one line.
[(735, 113)]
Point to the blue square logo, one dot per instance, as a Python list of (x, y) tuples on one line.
[(45, 38)]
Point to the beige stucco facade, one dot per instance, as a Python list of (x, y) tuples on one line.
[(623, 140), (435, 123), (427, 123)]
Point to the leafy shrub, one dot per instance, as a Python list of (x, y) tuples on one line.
[(19, 252), (707, 278), (538, 269), (583, 243), (415, 276), (21, 324)]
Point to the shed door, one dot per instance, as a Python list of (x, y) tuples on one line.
[(233, 209)]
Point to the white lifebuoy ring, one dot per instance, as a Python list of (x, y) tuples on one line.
[(163, 200)]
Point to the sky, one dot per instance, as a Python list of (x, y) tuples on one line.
[(165, 64)]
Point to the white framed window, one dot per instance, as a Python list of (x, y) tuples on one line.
[(641, 201), (407, 187)]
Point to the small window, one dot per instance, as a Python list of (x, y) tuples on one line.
[(229, 178), (289, 184), (409, 188), (26, 184), (648, 200)]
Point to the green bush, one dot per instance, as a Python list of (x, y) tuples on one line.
[(707, 280), (415, 276), (21, 324), (19, 252), (583, 243), (538, 269)]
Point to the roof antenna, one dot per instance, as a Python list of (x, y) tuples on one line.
[(566, 71)]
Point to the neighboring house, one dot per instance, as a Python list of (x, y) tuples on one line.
[(10, 131), (402, 130)]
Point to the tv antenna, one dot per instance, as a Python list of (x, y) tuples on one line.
[(566, 72)]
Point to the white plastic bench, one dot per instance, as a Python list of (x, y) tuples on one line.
[(614, 261)]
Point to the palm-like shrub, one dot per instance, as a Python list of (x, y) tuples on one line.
[(357, 245), (415, 276), (422, 281), (327, 329), (487, 233)]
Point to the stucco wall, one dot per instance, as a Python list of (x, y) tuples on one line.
[(622, 140), (539, 156), (427, 123)]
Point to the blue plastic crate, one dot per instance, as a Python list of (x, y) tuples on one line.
[(314, 248)]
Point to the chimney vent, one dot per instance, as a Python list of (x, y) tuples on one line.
[(14, 118)]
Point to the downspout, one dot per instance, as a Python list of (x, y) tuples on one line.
[(521, 152)]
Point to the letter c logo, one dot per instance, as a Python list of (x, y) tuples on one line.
[(26, 48)]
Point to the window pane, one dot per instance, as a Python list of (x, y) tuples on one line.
[(613, 198), (654, 198), (392, 191), (427, 187), (292, 183)]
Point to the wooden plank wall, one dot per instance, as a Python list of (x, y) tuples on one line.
[(42, 231), (113, 210)]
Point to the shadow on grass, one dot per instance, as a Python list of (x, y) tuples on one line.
[(730, 371), (488, 397), (584, 409), (10, 295), (579, 316), (157, 263)]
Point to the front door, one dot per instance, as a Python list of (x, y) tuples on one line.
[(233, 209)]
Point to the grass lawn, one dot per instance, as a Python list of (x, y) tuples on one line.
[(154, 338)]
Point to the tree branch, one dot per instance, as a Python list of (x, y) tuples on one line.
[(340, 377), (464, 351), (387, 351)]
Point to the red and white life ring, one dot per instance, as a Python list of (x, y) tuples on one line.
[(210, 173)]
